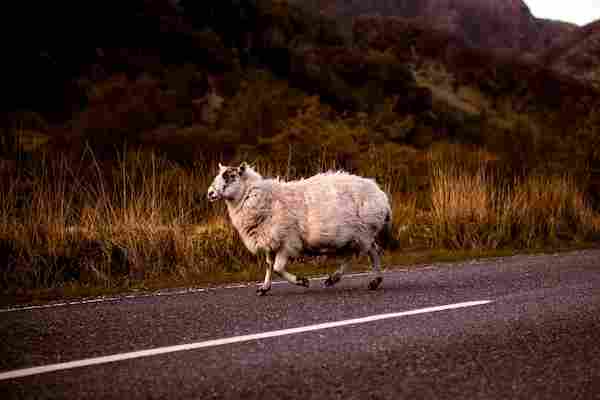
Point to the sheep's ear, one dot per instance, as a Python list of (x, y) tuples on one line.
[(221, 167), (243, 167)]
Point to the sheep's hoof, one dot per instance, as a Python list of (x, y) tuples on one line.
[(302, 282), (332, 280), (374, 284), (261, 291)]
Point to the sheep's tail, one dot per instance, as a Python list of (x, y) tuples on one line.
[(386, 237)]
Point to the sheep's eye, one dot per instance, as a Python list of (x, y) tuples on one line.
[(228, 176)]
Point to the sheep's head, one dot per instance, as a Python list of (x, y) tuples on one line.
[(228, 184)]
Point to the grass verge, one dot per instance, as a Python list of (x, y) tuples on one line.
[(80, 227)]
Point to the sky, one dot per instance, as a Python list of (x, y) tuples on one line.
[(579, 12)]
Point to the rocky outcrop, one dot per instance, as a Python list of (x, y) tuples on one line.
[(579, 55), (500, 24)]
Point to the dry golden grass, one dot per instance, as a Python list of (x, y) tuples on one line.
[(477, 210), (460, 206), (147, 219), (551, 207)]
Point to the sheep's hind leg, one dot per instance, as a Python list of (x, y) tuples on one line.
[(376, 265), (337, 275), (266, 286), (279, 267)]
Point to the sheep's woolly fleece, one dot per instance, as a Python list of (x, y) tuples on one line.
[(327, 211)]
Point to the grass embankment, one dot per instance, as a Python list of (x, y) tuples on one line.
[(79, 228)]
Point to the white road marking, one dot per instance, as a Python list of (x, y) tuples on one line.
[(235, 339), (166, 293), (101, 300)]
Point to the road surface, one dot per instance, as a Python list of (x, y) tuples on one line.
[(523, 327)]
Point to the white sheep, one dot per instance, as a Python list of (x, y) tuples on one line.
[(333, 213)]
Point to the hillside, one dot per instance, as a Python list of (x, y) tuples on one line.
[(579, 54), (185, 79), (497, 24)]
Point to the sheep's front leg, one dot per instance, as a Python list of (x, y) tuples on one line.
[(266, 286), (376, 261), (281, 260), (337, 275)]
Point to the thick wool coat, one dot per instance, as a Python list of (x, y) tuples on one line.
[(321, 214)]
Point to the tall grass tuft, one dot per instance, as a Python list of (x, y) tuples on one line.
[(550, 208), (461, 207), (481, 208), (143, 218)]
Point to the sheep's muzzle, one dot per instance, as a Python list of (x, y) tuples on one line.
[(212, 195)]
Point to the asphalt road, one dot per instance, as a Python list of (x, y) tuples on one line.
[(532, 333)]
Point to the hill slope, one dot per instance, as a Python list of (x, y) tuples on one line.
[(501, 24), (186, 78), (579, 54)]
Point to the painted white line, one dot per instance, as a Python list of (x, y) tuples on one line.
[(101, 300), (235, 339)]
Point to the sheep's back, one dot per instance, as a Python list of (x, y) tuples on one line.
[(339, 208)]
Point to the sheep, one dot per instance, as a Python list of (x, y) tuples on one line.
[(331, 213)]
